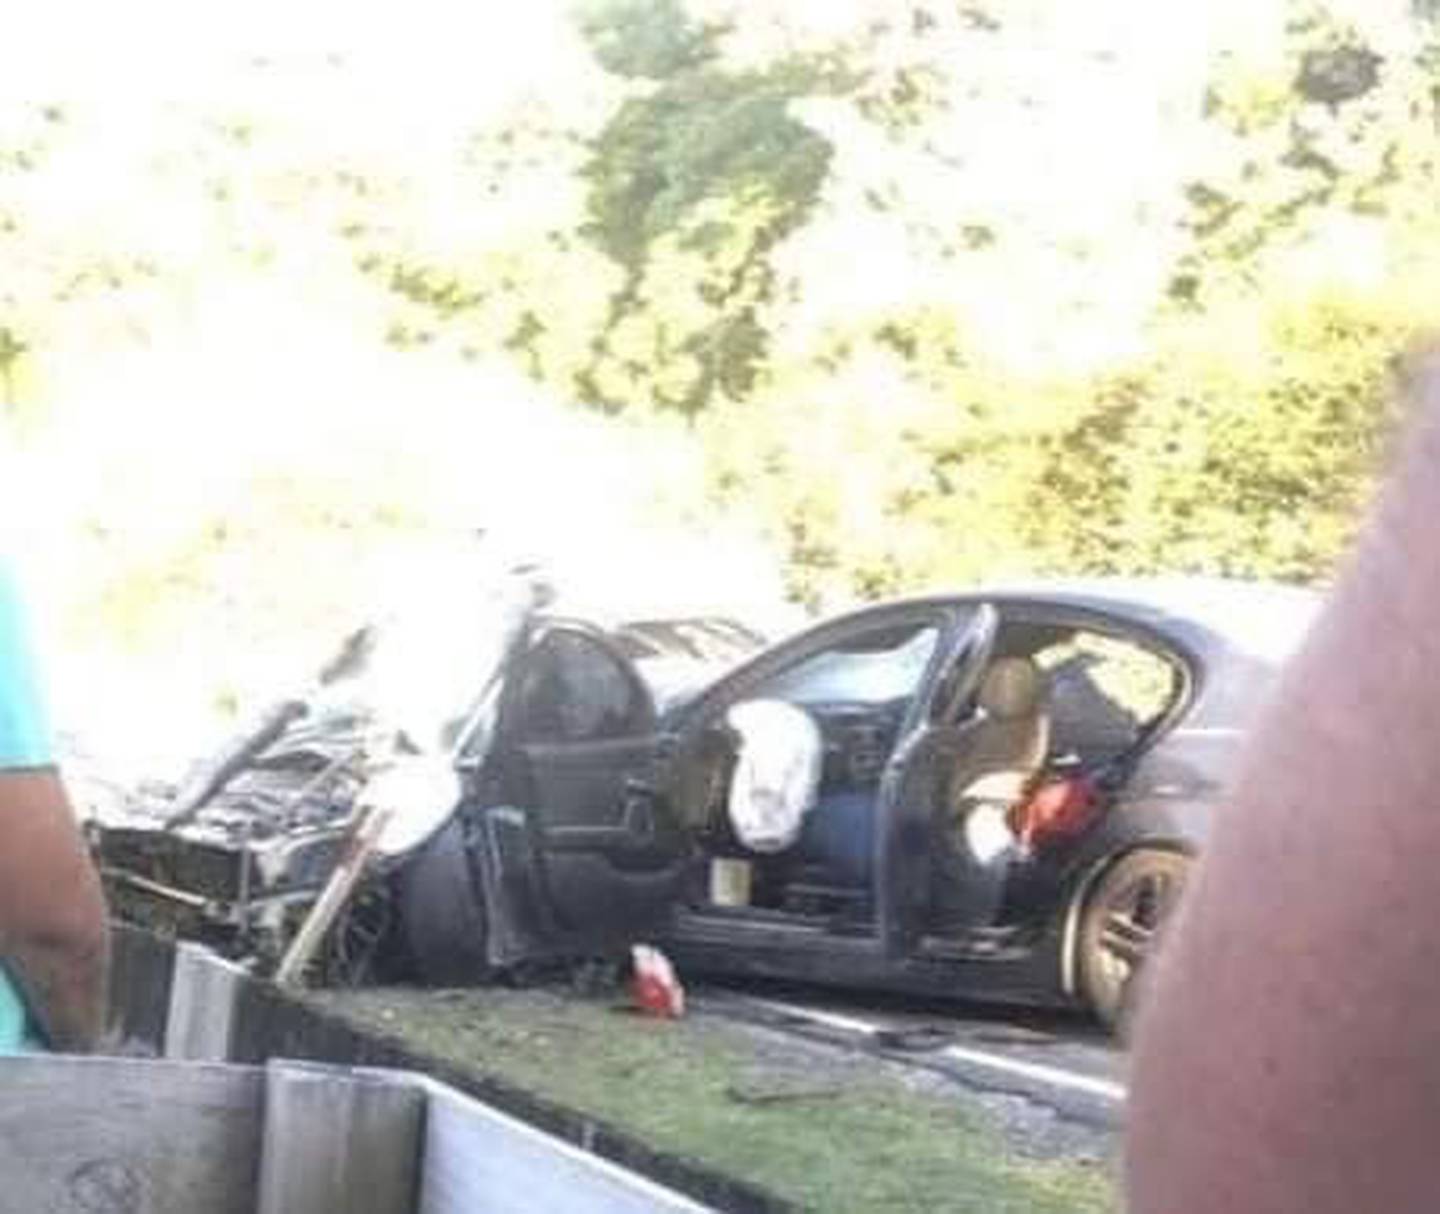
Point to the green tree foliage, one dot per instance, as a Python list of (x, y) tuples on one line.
[(691, 188), (942, 292), (1239, 438), (646, 38)]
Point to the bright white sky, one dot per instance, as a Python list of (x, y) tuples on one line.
[(427, 49), (160, 46)]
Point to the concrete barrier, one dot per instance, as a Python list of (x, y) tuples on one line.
[(474, 1143), (136, 1136)]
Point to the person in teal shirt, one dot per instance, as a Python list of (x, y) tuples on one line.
[(53, 937)]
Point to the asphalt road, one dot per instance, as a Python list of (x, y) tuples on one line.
[(1063, 1063)]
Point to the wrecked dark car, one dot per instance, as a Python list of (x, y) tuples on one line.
[(988, 795)]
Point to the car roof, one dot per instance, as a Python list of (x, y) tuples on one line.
[(1262, 620)]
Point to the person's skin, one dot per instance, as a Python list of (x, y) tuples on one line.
[(1288, 1055), (53, 935)]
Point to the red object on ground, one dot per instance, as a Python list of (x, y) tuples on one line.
[(654, 986), (1058, 809)]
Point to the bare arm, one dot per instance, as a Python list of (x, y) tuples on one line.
[(53, 935), (1290, 1056)]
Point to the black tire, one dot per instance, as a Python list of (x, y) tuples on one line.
[(1122, 918), (443, 913)]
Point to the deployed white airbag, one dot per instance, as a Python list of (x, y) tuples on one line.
[(777, 775)]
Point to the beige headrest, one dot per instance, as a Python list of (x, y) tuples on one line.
[(1013, 687)]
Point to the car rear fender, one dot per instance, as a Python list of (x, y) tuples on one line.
[(1075, 906)]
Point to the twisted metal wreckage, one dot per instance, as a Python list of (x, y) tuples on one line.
[(276, 849)]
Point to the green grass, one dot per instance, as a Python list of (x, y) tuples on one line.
[(843, 1138)]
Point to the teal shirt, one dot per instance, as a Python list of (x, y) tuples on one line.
[(24, 742), (15, 1028), (24, 730)]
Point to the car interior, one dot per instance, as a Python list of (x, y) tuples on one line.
[(1060, 709), (858, 694)]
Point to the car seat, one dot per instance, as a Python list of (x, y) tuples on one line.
[(1000, 755)]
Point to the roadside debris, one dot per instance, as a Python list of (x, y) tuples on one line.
[(778, 1090), (654, 986)]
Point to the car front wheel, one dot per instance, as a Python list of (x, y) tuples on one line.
[(1121, 923), (443, 913)]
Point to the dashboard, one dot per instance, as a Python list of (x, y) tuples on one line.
[(859, 739)]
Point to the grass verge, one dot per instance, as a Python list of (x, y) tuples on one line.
[(838, 1137)]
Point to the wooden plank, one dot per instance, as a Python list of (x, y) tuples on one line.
[(359, 847), (337, 1140), (203, 994), (477, 1160), (128, 1136)]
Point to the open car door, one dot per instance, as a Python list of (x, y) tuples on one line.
[(576, 852), (915, 780)]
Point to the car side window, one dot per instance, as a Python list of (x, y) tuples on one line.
[(1105, 692), (874, 667), (573, 689)]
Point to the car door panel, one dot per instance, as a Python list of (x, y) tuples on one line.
[(599, 853), (915, 781), (584, 785)]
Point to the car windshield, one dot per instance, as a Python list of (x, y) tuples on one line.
[(890, 670)]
